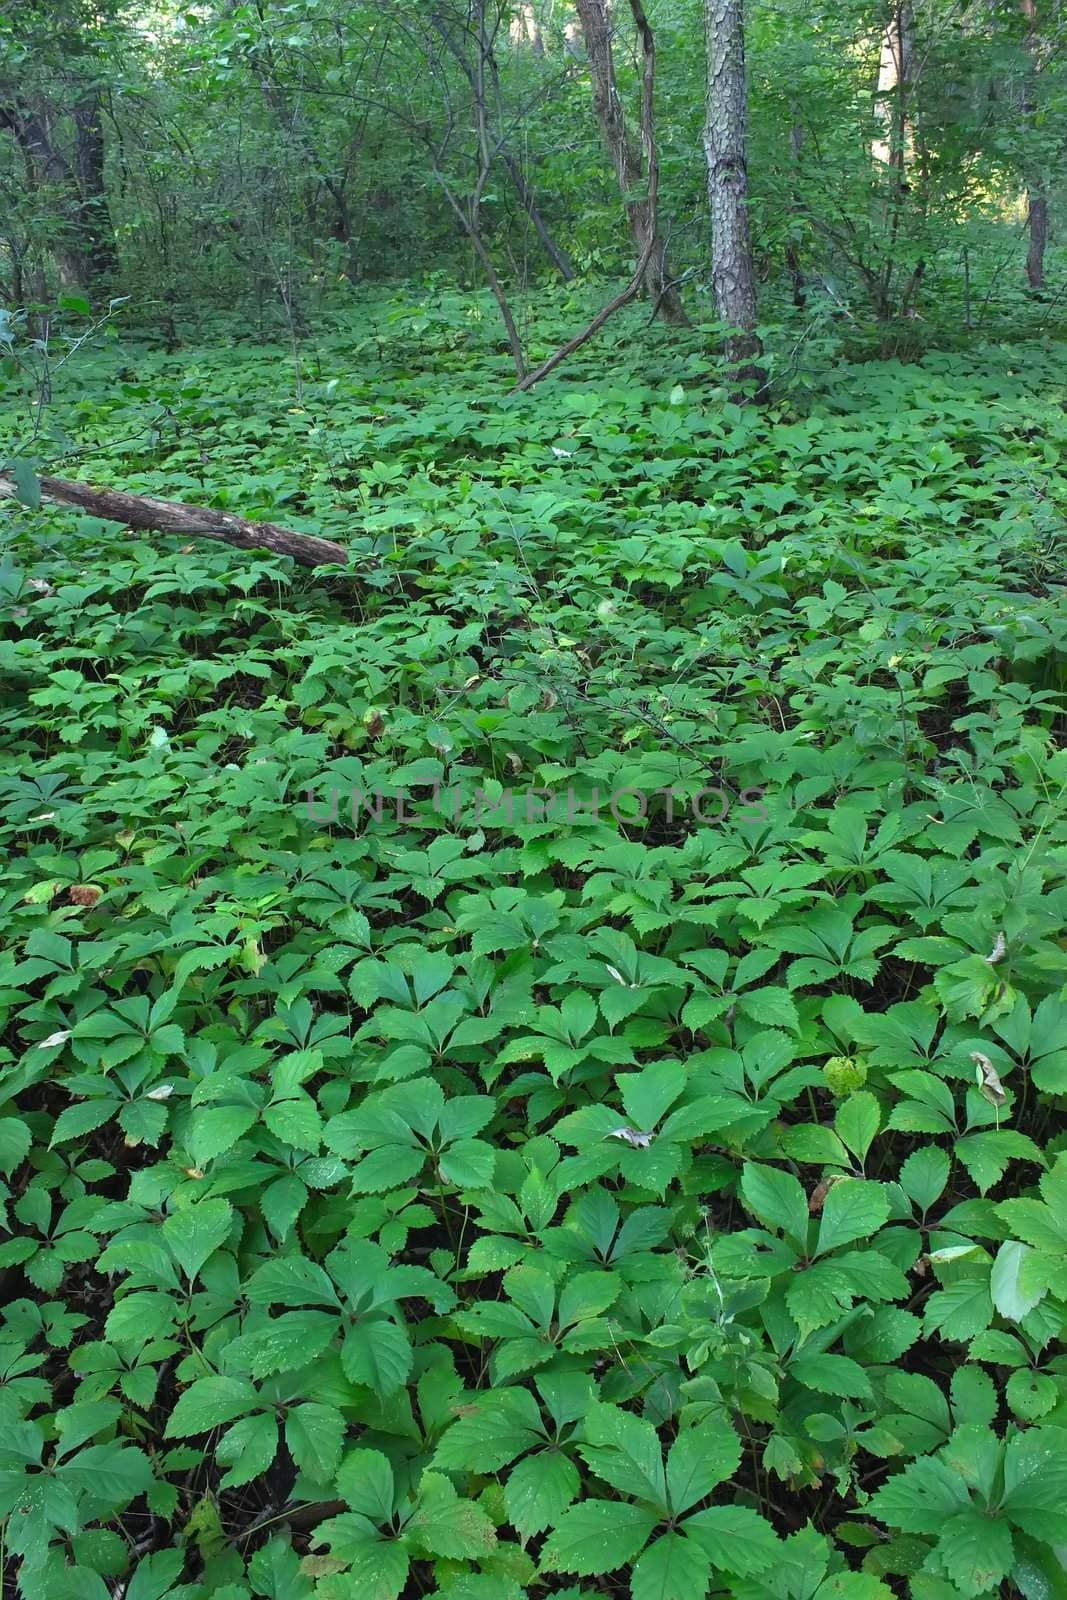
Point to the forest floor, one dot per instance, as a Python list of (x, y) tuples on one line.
[(480, 1046)]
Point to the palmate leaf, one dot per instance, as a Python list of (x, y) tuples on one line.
[(276, 1574), (291, 1281), (1035, 1484), (108, 1475), (314, 1436), (285, 1343), (960, 1310), (832, 1374), (859, 1586), (248, 1448)]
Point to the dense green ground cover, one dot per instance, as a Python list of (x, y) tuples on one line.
[(387, 1203)]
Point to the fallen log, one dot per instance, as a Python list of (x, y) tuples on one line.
[(188, 522)]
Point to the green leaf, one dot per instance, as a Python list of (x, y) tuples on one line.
[(647, 1095), (112, 1474), (673, 1568), (734, 1539), (1035, 1484), (498, 1428), (365, 1483), (469, 1164), (208, 1403), (857, 1121), (314, 1435), (285, 1343), (377, 1567), (625, 1451), (854, 1209), (830, 1374), (445, 1525), (1010, 1299), (921, 1498), (538, 1490), (700, 1458), (15, 1141), (295, 1122), (248, 1448), (975, 1552), (597, 1536), (274, 1571), (587, 1295), (777, 1200), (960, 1310), (155, 1575), (27, 484), (924, 1175), (377, 1353), (196, 1232)]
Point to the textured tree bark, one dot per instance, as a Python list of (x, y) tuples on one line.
[(1037, 218), (196, 522), (626, 161), (97, 230), (725, 136)]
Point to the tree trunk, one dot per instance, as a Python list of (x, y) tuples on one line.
[(626, 160), (96, 230), (525, 29), (725, 129), (46, 166), (896, 76), (1036, 191), (197, 522), (1037, 217)]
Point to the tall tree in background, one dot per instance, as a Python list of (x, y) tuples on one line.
[(896, 72), (725, 134), (626, 160), (1036, 191), (54, 65)]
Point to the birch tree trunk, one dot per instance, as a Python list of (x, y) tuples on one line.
[(725, 128), (626, 160)]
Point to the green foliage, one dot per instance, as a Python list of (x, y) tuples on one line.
[(466, 1201)]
